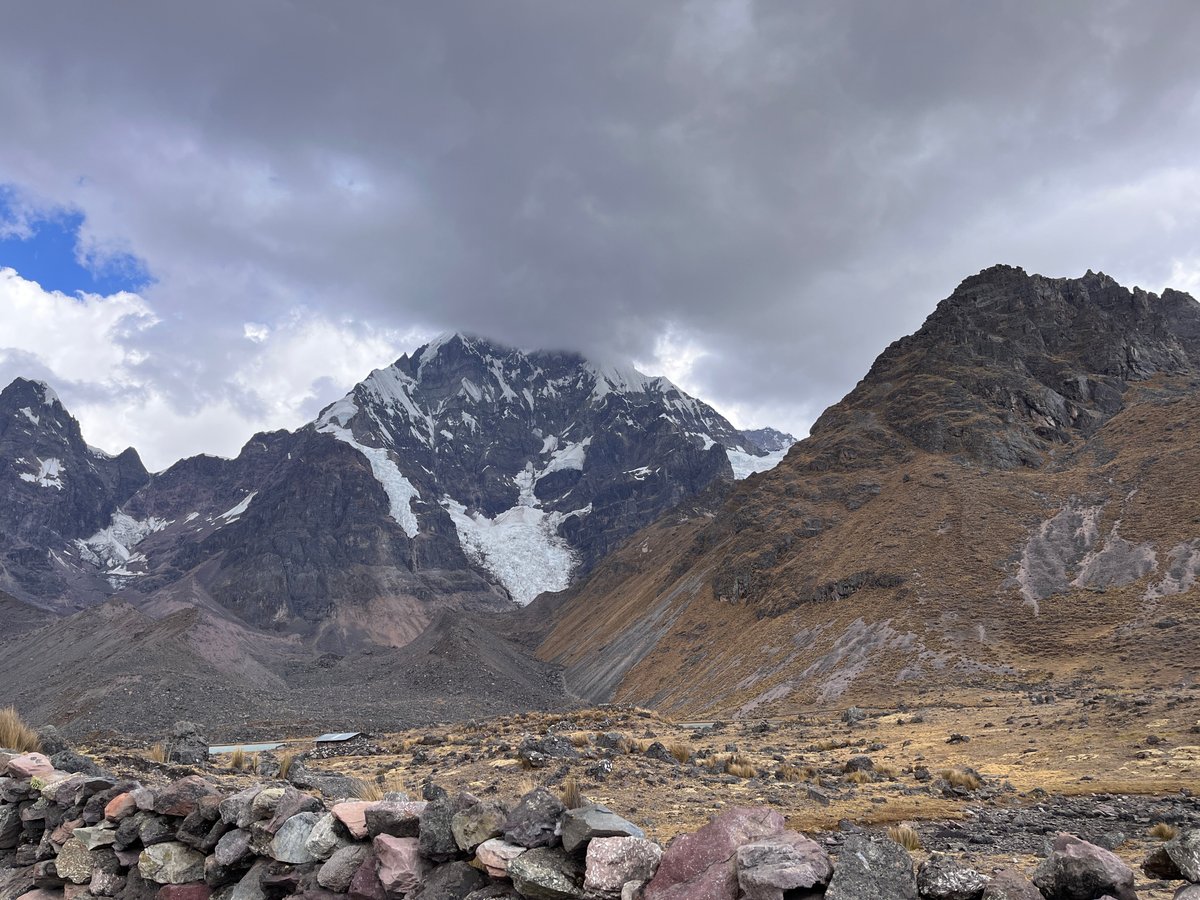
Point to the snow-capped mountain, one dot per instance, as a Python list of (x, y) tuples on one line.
[(465, 476), (54, 489)]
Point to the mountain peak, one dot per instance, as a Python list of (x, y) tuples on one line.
[(26, 391)]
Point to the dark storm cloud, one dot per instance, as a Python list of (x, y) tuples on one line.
[(785, 187)]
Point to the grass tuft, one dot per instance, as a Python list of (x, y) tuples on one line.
[(1164, 831), (966, 780), (572, 797), (681, 752), (237, 759), (858, 776), (157, 753), (367, 790), (15, 734), (286, 759), (905, 836)]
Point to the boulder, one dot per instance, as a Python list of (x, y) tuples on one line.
[(614, 861), (1158, 864), (943, 878), (399, 818), (365, 885), (1184, 851), (187, 745), (120, 807), (202, 827), (401, 866), (496, 854), (327, 837), (1077, 870), (769, 868), (292, 802), (1188, 892), (51, 741), (592, 821), (547, 873), (96, 836), (872, 869), (337, 873), (10, 827), (180, 797), (233, 849), (494, 892), (453, 881), (235, 809), (477, 823), (74, 862), (70, 761), (701, 866), (193, 891), (250, 886), (171, 863), (289, 843), (533, 822), (30, 765), (353, 814), (437, 827)]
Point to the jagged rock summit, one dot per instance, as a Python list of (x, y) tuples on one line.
[(1005, 499)]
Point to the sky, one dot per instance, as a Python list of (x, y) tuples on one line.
[(216, 217)]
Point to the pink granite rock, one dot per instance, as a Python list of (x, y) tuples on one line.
[(401, 867), (496, 854), (353, 814), (30, 765), (701, 866)]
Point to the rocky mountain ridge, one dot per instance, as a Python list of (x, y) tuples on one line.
[(1006, 491)]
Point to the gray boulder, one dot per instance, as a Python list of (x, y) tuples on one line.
[(775, 867), (478, 823), (337, 873), (592, 821), (290, 842), (171, 863), (453, 881), (547, 873), (187, 745), (534, 820), (1077, 870), (872, 869), (1184, 850), (943, 878)]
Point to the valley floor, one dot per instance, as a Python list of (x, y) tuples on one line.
[(987, 781)]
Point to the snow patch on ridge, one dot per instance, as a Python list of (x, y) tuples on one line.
[(401, 492), (29, 415), (49, 474), (520, 547), (745, 465), (232, 515), (111, 548)]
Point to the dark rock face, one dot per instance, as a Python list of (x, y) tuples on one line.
[(873, 869), (54, 489), (1011, 365), (1077, 870), (461, 478)]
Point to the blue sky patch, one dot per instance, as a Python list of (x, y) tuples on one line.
[(46, 251)]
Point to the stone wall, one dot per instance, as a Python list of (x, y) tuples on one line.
[(71, 836)]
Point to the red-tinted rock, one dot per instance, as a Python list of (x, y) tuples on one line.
[(365, 885), (29, 765), (197, 890), (181, 797), (353, 814), (120, 807), (401, 867), (701, 866)]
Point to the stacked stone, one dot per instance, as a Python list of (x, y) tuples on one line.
[(75, 836)]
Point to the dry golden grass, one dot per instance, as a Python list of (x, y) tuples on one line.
[(1164, 831), (639, 745), (367, 790), (237, 759), (157, 753), (572, 797), (788, 772), (579, 738), (885, 771), (286, 759), (525, 785), (959, 779), (859, 777), (15, 734), (680, 751), (394, 783), (905, 836)]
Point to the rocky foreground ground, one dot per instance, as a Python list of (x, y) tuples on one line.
[(987, 786)]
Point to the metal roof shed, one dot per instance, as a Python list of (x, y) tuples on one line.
[(337, 737)]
